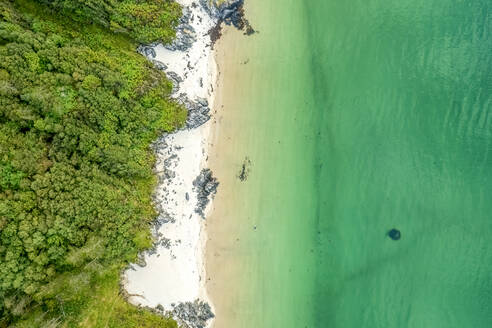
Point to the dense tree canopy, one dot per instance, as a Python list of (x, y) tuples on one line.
[(145, 21), (78, 110)]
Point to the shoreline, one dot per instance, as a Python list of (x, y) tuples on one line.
[(171, 277), (222, 229)]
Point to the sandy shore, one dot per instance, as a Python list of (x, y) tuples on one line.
[(173, 276), (226, 157)]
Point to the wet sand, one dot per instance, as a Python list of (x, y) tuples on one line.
[(226, 155)]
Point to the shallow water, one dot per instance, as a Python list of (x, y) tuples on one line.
[(360, 117)]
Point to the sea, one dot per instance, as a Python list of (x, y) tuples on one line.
[(358, 117)]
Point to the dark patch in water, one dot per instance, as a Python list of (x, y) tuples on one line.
[(394, 234), (245, 169)]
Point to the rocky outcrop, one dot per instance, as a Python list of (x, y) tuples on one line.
[(206, 186), (192, 314), (231, 12), (141, 260), (198, 111), (147, 50), (185, 37), (159, 65), (223, 10), (175, 79), (185, 33), (228, 11)]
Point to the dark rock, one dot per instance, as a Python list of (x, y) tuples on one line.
[(185, 33), (175, 79), (231, 12), (193, 314), (245, 169), (147, 50), (159, 65), (219, 9), (150, 52), (141, 260), (197, 115), (198, 111), (202, 101), (165, 242), (164, 218), (249, 30), (160, 144), (169, 160), (394, 234), (169, 174), (205, 185), (227, 13)]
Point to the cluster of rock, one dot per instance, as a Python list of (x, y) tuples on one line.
[(175, 80), (206, 186), (185, 33), (192, 314), (198, 110), (159, 239), (149, 52), (231, 12), (165, 161), (228, 11), (245, 169), (140, 261)]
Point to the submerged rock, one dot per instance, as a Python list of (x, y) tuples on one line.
[(245, 169), (205, 185), (215, 33), (394, 234)]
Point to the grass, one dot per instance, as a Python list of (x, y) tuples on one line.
[(103, 307)]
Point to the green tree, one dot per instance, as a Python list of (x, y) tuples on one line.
[(78, 110)]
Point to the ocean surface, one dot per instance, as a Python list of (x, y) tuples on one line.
[(359, 117)]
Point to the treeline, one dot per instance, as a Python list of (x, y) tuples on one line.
[(78, 110)]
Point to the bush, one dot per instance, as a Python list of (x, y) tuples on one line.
[(144, 21), (78, 109)]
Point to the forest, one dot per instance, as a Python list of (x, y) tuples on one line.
[(79, 108)]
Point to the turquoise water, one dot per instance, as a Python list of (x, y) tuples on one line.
[(360, 117), (404, 101)]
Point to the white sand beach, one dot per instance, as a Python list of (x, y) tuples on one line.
[(175, 272)]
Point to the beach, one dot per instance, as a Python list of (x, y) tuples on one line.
[(171, 276), (259, 255), (226, 156)]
